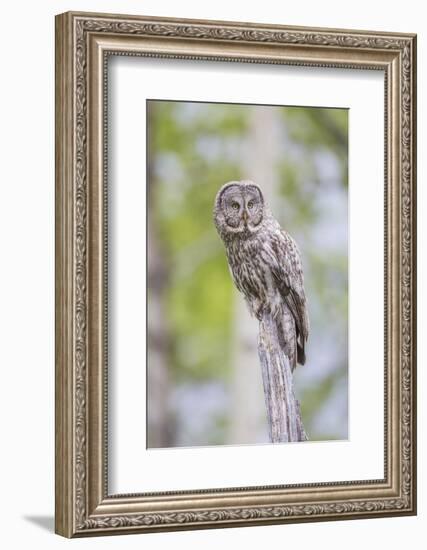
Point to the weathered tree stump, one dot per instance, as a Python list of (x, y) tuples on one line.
[(283, 410)]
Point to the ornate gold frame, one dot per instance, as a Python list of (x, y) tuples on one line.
[(83, 42)]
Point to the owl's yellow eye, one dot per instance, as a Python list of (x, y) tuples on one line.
[(250, 205), (235, 205)]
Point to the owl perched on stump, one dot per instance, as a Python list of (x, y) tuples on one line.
[(265, 264)]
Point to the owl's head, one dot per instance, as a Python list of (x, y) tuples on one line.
[(239, 209)]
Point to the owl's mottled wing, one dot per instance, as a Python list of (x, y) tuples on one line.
[(286, 268)]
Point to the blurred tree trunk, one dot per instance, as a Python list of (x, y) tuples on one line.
[(248, 415), (247, 398), (159, 430), (158, 390)]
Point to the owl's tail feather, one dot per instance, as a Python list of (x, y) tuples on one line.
[(300, 354), (288, 339)]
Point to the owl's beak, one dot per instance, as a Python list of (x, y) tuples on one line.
[(245, 216)]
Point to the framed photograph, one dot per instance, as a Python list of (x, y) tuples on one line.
[(235, 274)]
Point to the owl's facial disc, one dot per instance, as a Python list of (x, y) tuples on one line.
[(242, 207)]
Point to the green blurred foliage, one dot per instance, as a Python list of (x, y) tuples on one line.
[(193, 148)]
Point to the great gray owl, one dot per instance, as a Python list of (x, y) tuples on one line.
[(265, 263)]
